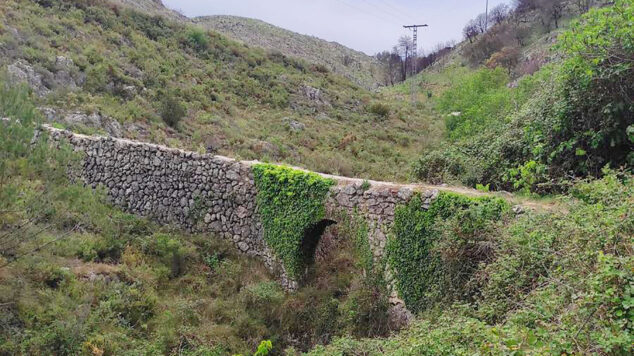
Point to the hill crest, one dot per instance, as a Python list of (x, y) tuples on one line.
[(362, 69)]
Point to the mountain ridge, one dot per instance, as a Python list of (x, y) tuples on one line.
[(364, 70)]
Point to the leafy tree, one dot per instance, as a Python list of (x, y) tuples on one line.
[(392, 66)]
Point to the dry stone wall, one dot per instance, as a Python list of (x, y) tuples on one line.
[(201, 193), (207, 193)]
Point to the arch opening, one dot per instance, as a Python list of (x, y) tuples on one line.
[(312, 236)]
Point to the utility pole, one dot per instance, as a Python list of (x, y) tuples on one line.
[(414, 63), (486, 17)]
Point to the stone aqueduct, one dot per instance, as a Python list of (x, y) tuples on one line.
[(215, 194)]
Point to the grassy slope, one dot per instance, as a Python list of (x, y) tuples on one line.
[(152, 7), (359, 67), (239, 99), (80, 277), (559, 283)]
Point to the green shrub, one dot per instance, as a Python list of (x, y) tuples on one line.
[(172, 110), (264, 348), (170, 252), (132, 305), (379, 109), (439, 167), (198, 39), (435, 251), (365, 185), (365, 311), (290, 202)]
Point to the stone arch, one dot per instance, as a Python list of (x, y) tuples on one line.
[(311, 238)]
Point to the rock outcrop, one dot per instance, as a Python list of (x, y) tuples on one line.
[(64, 75)]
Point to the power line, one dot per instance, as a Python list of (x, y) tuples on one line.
[(398, 17), (397, 10)]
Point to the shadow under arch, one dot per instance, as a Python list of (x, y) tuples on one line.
[(312, 236)]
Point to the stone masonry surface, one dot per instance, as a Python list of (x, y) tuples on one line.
[(215, 194)]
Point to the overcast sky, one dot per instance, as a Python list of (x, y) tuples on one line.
[(366, 25)]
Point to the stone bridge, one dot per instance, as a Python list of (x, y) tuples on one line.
[(207, 193)]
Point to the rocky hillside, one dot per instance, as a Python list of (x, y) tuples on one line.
[(151, 7), (357, 66), (360, 68), (119, 69)]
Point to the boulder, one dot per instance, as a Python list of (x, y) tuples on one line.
[(315, 95), (264, 148), (21, 72), (295, 125), (77, 119), (66, 74)]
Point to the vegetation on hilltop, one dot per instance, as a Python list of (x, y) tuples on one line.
[(151, 7), (357, 66)]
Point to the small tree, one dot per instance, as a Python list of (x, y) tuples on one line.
[(470, 31), (481, 23), (379, 109), (499, 13), (391, 63), (404, 48), (172, 110), (507, 57), (198, 39), (551, 11)]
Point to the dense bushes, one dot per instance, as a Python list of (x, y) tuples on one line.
[(568, 120), (290, 202), (379, 109), (556, 282), (586, 127), (435, 252)]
